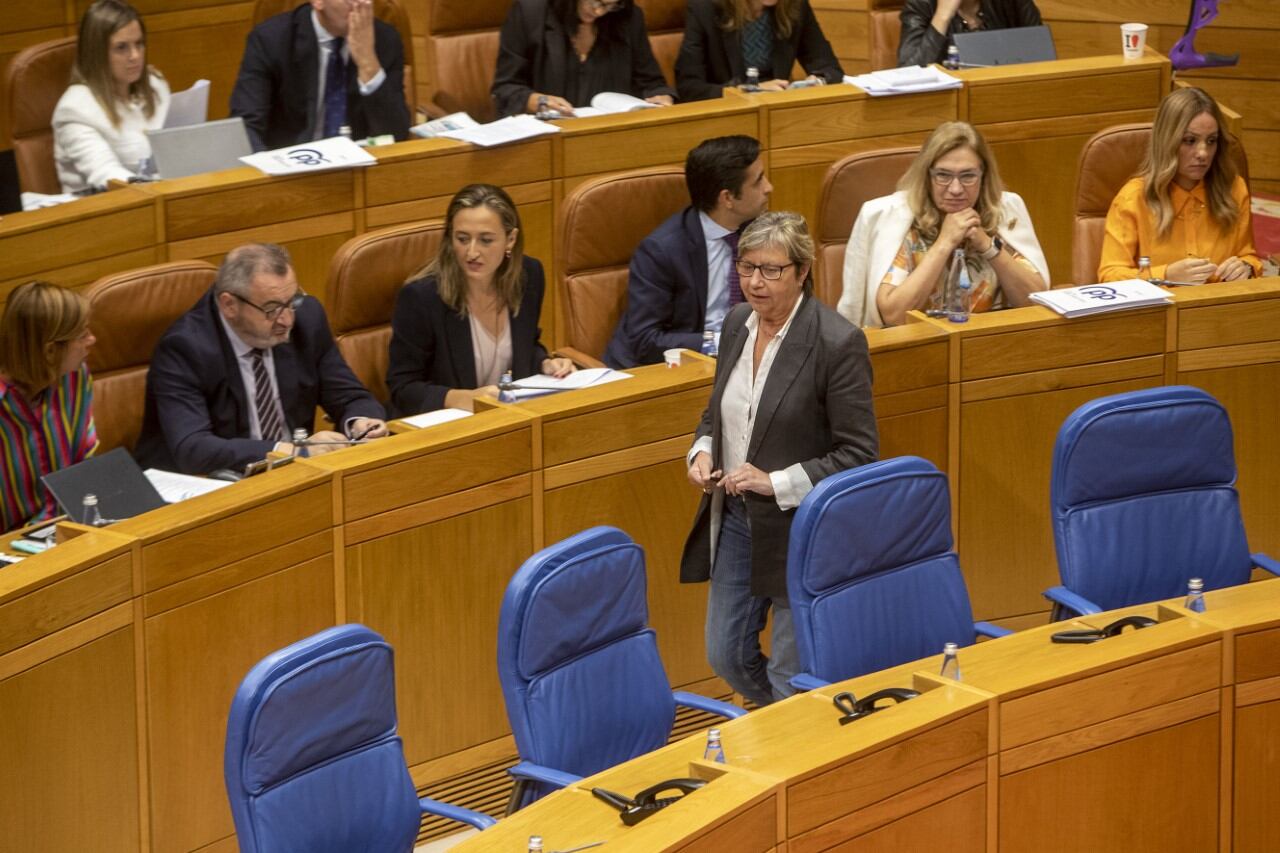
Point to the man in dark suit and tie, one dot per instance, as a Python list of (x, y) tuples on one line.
[(682, 281), (235, 375), (325, 65)]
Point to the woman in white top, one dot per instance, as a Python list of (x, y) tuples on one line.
[(100, 123), (951, 197), (471, 314)]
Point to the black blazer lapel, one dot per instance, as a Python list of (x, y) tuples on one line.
[(457, 334), (286, 363), (731, 44), (306, 65), (231, 370), (554, 50), (522, 342), (698, 256), (784, 55), (793, 352)]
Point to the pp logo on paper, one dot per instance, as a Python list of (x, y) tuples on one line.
[(1104, 294), (307, 157)]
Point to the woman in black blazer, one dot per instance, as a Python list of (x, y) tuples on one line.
[(790, 405), (722, 38), (472, 313), (558, 54), (928, 25)]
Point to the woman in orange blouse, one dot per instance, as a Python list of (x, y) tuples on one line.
[(1188, 210)]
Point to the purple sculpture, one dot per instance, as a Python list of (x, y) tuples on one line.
[(1184, 54)]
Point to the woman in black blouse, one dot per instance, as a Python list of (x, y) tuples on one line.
[(558, 54), (723, 38), (928, 25)]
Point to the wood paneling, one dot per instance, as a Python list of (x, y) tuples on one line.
[(1256, 822), (189, 689)]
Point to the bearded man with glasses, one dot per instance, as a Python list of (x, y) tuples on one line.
[(951, 197), (249, 363)]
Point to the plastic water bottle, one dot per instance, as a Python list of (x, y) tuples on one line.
[(753, 80), (709, 343), (299, 442), (504, 393), (1195, 596), (535, 844), (714, 751), (958, 289), (1144, 268), (950, 662), (952, 62), (90, 514), (146, 170)]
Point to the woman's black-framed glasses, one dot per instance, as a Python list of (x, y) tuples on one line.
[(771, 272), (273, 310)]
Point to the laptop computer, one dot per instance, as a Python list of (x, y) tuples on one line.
[(123, 490), (10, 191), (985, 48), (197, 148)]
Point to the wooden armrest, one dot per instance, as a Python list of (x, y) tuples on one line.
[(580, 359)]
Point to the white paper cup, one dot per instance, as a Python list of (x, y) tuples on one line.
[(1134, 39), (672, 357)]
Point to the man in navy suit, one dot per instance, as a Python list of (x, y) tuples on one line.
[(235, 375), (682, 278), (307, 73)]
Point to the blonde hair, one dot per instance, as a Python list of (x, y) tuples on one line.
[(917, 182), (40, 320), (92, 67), (782, 229), (451, 281), (1161, 164), (786, 14)]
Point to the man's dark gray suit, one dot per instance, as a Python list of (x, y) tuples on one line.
[(197, 410), (278, 86), (815, 409)]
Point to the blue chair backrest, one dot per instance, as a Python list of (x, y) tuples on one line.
[(871, 576), (313, 762), (584, 685), (1143, 497)]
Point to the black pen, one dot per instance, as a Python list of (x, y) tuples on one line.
[(363, 435)]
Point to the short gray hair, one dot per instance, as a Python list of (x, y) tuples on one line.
[(244, 262), (785, 230)]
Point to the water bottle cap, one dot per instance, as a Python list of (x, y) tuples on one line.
[(1195, 583), (300, 434), (949, 649), (713, 734), (90, 499)]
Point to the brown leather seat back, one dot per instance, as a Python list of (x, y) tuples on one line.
[(364, 278), (463, 37), (1108, 160), (850, 183), (602, 222), (36, 78), (664, 19), (386, 10), (885, 29), (130, 311)]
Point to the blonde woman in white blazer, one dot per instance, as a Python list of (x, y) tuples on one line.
[(951, 197), (100, 122)]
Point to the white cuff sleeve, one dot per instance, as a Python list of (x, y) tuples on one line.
[(790, 485), (701, 445), (369, 88)]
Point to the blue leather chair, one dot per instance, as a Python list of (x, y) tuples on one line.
[(1143, 498), (584, 686), (871, 575), (313, 762)]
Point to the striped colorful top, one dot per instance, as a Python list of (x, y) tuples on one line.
[(36, 437)]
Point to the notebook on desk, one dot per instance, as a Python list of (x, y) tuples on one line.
[(985, 48), (123, 490), (198, 148)]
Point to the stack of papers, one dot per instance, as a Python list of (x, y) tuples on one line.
[(905, 81), (1098, 298), (436, 127), (502, 131), (536, 386), (319, 156), (175, 487), (610, 103), (439, 416)]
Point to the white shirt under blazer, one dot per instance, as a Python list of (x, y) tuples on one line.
[(89, 150)]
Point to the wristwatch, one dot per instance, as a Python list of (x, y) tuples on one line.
[(997, 245)]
